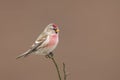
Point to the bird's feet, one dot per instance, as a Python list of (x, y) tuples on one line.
[(50, 55)]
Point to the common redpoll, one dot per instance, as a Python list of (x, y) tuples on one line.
[(45, 43)]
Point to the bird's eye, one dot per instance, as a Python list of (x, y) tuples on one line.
[(51, 28)]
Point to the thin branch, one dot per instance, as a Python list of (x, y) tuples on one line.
[(64, 71), (56, 65), (56, 68)]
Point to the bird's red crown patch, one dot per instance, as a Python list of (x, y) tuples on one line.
[(54, 25)]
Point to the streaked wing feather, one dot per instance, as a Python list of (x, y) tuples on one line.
[(39, 42)]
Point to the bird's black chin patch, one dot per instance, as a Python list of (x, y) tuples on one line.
[(55, 31)]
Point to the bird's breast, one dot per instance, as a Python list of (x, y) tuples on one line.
[(53, 40)]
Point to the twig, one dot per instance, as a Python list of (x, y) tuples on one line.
[(64, 71), (56, 65), (56, 68)]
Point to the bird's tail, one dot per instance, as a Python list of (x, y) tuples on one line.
[(24, 54)]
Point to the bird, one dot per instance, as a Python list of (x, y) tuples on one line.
[(46, 42)]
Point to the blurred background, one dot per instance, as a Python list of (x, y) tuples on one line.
[(89, 38)]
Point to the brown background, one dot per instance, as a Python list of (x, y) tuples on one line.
[(89, 38)]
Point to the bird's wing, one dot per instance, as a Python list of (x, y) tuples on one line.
[(37, 44)]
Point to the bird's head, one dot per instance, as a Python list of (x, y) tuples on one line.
[(52, 28)]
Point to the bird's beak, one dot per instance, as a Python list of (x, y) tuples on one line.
[(57, 30)]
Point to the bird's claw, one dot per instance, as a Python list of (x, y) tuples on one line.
[(50, 55)]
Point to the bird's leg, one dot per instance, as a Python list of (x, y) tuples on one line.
[(50, 55)]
